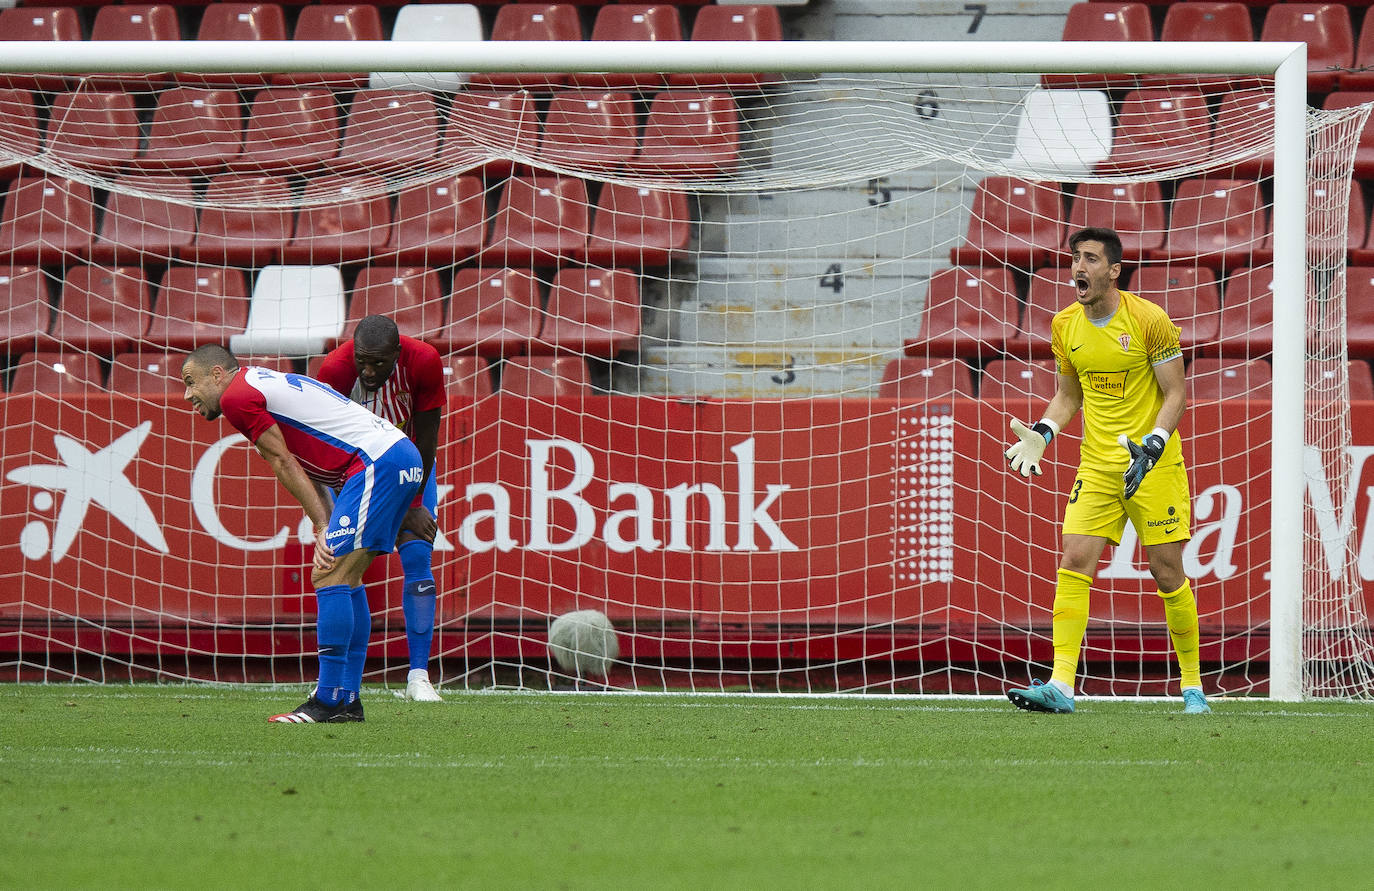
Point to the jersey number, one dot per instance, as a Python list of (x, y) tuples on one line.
[(1077, 484), (300, 381)]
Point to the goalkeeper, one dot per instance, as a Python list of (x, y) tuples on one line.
[(1119, 360)]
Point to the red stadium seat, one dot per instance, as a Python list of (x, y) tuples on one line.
[(969, 312), (341, 220), (1134, 209), (289, 131), (492, 312), (1190, 296), (1014, 221), (1364, 151), (1219, 223), (1362, 75), (630, 22), (359, 21), (147, 374), (197, 305), (592, 311), (57, 373), (1329, 217), (590, 130), (102, 309), (439, 223), (1247, 317), (542, 220), (485, 128), (736, 23), (47, 220), (690, 134), (195, 130), (38, 23), (532, 21), (1215, 379), (19, 123), (237, 21), (637, 226), (1193, 21), (926, 380), (94, 130), (1245, 119), (25, 308), (1359, 311), (391, 132), (1110, 21), (242, 234), (467, 377), (1325, 28), (133, 226), (1160, 128), (546, 378), (1017, 380), (1050, 291), (136, 21), (1361, 382), (410, 296)]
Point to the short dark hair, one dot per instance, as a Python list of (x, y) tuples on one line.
[(211, 354), (377, 333), (1111, 242)]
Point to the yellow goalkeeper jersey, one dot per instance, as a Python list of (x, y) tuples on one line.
[(1114, 363)]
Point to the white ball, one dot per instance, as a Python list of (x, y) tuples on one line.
[(583, 643)]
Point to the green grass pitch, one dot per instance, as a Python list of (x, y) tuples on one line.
[(158, 786)]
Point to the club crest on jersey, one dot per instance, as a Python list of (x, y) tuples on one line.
[(1125, 341)]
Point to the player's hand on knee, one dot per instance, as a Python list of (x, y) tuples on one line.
[(420, 522), (324, 555), (1144, 455), (1029, 448)]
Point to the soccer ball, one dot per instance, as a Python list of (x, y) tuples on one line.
[(583, 643)]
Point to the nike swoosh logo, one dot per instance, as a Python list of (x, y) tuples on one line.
[(1074, 349), (423, 589)]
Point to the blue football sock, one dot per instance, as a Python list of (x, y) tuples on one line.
[(333, 629), (418, 600), (357, 644)]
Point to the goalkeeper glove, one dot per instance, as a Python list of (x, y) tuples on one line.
[(1026, 452), (1143, 457)]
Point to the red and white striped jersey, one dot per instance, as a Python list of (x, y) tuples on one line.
[(416, 384)]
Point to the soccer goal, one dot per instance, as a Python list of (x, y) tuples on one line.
[(732, 350)]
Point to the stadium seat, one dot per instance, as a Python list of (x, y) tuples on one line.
[(969, 312), (636, 226), (1189, 294), (194, 130), (439, 223), (147, 374), (101, 309), (1106, 21), (46, 220), (690, 134), (1062, 133), (57, 373), (738, 23), (492, 312), (243, 234), (1361, 77), (424, 21), (542, 220), (410, 296), (467, 377), (295, 311), (237, 21), (38, 23), (1359, 311), (546, 378), (1325, 28), (1245, 119), (19, 123), (1050, 291), (1014, 221), (592, 311), (1219, 223), (630, 22), (485, 129), (358, 21), (531, 21), (1194, 21), (1364, 151), (1160, 128), (97, 131), (1328, 218), (25, 308), (133, 226), (1247, 315), (289, 131), (1214, 379), (1361, 382), (925, 380), (590, 130), (197, 305), (1020, 381), (1134, 209), (341, 220), (135, 21), (390, 132)]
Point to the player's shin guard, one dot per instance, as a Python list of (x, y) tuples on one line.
[(357, 643), (333, 629), (1180, 611), (418, 599), (1070, 622)]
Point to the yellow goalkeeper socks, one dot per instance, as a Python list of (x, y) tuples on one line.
[(1180, 611), (1070, 623)]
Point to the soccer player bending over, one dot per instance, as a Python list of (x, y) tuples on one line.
[(309, 434), (1119, 360)]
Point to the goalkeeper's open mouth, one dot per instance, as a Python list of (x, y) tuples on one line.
[(1081, 284)]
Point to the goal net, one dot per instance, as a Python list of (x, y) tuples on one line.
[(730, 358)]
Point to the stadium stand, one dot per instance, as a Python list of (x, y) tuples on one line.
[(924, 380), (1364, 152), (1220, 223), (1361, 75), (1050, 291), (639, 227), (394, 132), (546, 378), (135, 21), (439, 223), (1134, 209), (541, 220), (592, 311), (289, 131), (194, 129), (198, 305), (492, 312), (1014, 221), (692, 134), (247, 236), (970, 313), (133, 226), (101, 309), (57, 373), (1359, 310), (99, 129), (411, 296), (334, 227), (46, 220), (591, 130), (1361, 382)]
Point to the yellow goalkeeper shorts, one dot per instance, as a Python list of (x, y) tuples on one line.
[(1160, 510)]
